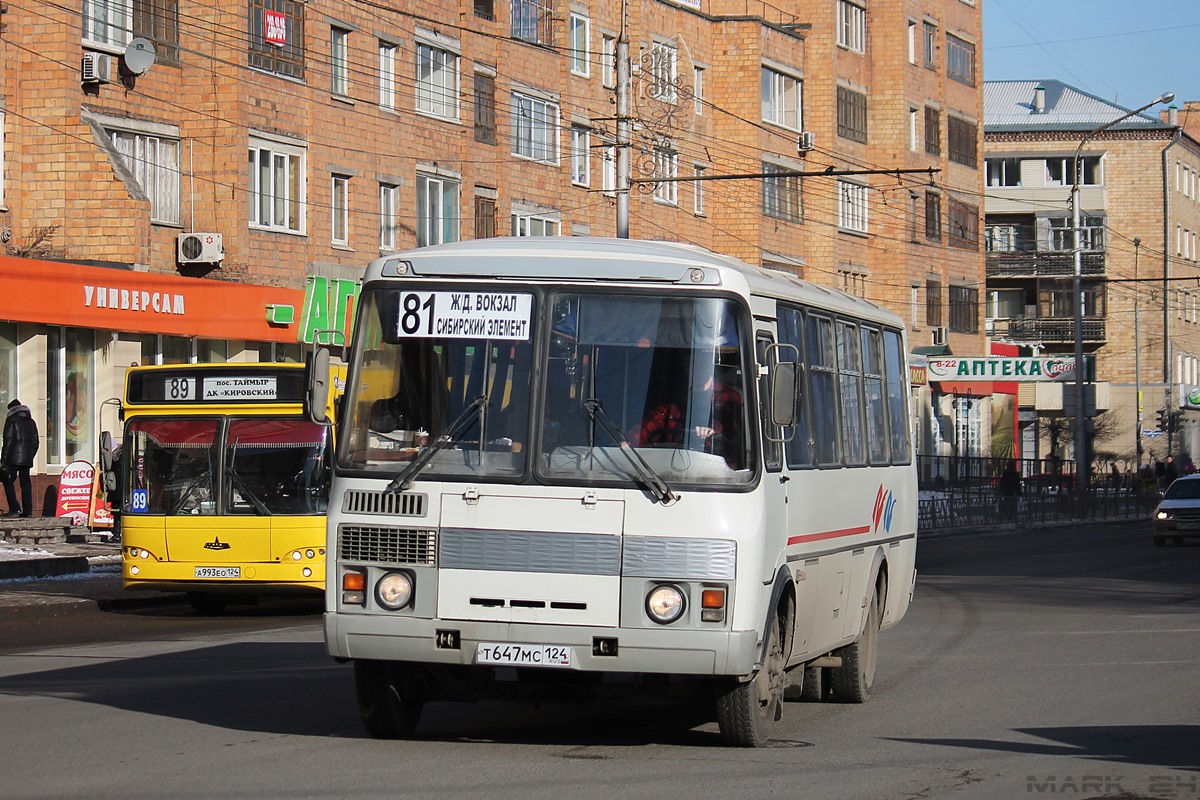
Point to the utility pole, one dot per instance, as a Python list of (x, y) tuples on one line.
[(623, 89), (1137, 357)]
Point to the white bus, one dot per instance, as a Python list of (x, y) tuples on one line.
[(574, 467)]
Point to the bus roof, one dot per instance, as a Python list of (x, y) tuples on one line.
[(584, 258)]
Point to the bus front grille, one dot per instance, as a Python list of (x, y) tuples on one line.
[(386, 545), (400, 504)]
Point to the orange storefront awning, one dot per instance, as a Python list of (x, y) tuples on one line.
[(62, 293)]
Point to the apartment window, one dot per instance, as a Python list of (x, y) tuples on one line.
[(277, 186), (581, 172), (698, 191), (914, 131), (852, 281), (960, 60), (1002, 171), (664, 72), (158, 21), (933, 131), (851, 26), (914, 214), (535, 128), (581, 61), (485, 9), (781, 101), (389, 206), (964, 309), (963, 142), (1062, 233), (933, 216), (666, 165), (339, 209), (851, 114), (277, 37), (852, 206), (933, 303), (781, 195), (339, 67), (1061, 171), (608, 60), (437, 210), (2, 168), (914, 306), (930, 45), (535, 225), (1001, 238), (387, 75), (608, 173), (912, 42), (533, 21), (108, 22), (485, 218), (962, 222), (154, 162), (698, 90), (437, 81), (485, 108)]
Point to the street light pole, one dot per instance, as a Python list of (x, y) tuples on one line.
[(1081, 466), (1137, 358)]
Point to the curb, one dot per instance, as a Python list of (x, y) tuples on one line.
[(50, 567)]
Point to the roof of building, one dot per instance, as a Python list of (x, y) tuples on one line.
[(1009, 106)]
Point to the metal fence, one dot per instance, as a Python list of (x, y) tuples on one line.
[(957, 492)]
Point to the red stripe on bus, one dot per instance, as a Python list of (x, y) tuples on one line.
[(816, 537)]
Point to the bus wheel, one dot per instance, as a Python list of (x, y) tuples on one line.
[(747, 712), (206, 603), (389, 710), (852, 681)]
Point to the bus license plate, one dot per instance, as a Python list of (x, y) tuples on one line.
[(218, 572), (524, 655)]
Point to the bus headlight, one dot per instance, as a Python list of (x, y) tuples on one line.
[(394, 590), (664, 604)]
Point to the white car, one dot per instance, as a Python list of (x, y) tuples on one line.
[(1178, 514)]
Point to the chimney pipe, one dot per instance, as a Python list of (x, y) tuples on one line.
[(1039, 99), (1173, 116)]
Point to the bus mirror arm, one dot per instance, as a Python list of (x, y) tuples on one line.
[(658, 487), (403, 481), (318, 386)]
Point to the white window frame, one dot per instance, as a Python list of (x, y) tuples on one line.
[(535, 225), (698, 90), (914, 129), (608, 169), (608, 60), (852, 206), (912, 41), (339, 209), (437, 90), (389, 204), (387, 75), (782, 99), (284, 161), (154, 163), (664, 72), (339, 60), (698, 191), (108, 23), (581, 38), (2, 164), (666, 165), (851, 26), (535, 128), (435, 195), (581, 169)]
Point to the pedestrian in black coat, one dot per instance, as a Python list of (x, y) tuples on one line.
[(21, 442)]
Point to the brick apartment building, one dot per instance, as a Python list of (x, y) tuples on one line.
[(297, 141), (1140, 217)]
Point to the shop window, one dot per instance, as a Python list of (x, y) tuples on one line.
[(70, 403)]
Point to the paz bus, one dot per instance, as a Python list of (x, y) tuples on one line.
[(225, 482), (511, 516)]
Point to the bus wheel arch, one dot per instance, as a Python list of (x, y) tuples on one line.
[(854, 679)]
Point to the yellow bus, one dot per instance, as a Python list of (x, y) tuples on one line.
[(224, 482)]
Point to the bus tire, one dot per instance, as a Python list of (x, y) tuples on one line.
[(853, 680), (815, 685), (747, 712), (388, 709), (207, 603)]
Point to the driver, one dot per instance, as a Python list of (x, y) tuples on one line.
[(667, 422)]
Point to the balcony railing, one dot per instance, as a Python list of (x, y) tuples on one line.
[(1046, 331), (1042, 264)]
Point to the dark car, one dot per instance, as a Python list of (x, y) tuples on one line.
[(1178, 514)]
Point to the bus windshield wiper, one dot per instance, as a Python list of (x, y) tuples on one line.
[(237, 482), (658, 487), (403, 481)]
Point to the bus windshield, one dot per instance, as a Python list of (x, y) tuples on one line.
[(249, 466), (664, 376)]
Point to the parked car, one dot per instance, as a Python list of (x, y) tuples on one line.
[(1178, 514)]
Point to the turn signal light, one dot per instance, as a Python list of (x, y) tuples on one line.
[(712, 605), (354, 586)]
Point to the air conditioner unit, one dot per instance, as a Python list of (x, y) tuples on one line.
[(200, 248), (96, 68), (941, 335), (805, 142)]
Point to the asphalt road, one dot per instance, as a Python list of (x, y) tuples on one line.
[(1058, 662)]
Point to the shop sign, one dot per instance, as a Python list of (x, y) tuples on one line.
[(1000, 368), (918, 376), (328, 310)]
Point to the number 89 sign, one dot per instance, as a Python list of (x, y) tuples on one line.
[(464, 315), (139, 501)]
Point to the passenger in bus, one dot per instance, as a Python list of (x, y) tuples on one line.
[(667, 423)]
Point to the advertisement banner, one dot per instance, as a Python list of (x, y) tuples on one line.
[(1001, 368), (75, 492)]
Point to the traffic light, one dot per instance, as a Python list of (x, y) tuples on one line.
[(1162, 419)]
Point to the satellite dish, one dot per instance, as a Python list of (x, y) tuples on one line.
[(139, 56)]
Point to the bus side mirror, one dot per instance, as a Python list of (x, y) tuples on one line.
[(108, 476), (783, 394), (318, 386)]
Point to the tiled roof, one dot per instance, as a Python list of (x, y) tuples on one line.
[(1009, 106)]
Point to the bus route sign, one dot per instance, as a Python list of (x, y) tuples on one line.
[(465, 315)]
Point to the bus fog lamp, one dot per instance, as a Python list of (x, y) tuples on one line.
[(394, 590), (664, 604), (134, 570), (307, 572)]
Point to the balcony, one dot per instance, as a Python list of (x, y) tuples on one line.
[(1042, 264), (1049, 331)]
